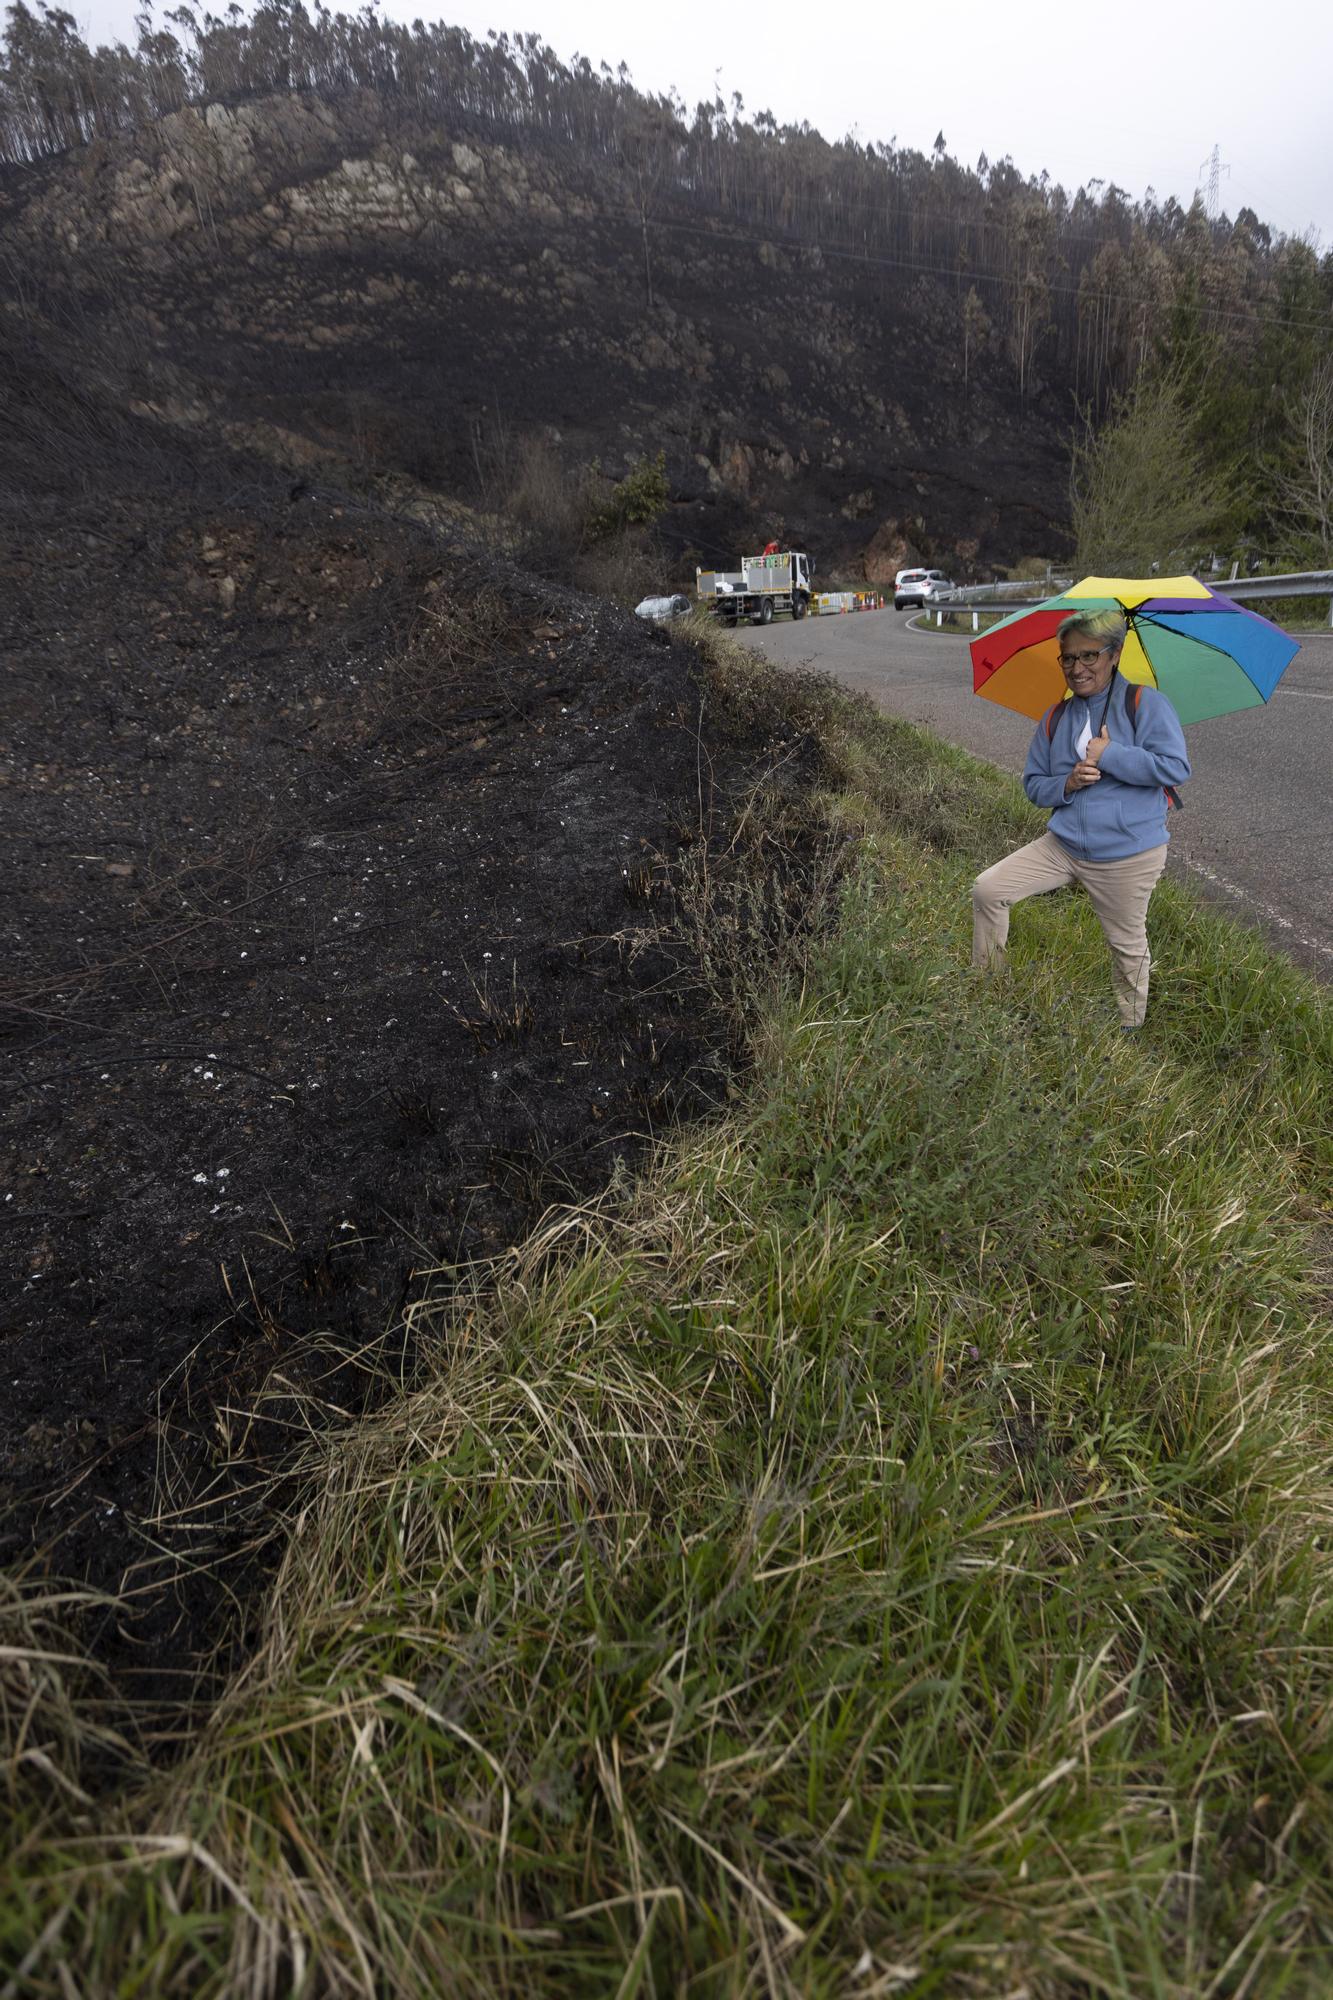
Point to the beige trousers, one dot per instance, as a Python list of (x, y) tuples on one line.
[(1119, 892)]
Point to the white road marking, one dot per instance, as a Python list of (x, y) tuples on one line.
[(1307, 694), (1247, 897)]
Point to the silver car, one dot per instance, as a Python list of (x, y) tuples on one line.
[(920, 587), (660, 610)]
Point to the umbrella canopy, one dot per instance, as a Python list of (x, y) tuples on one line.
[(1207, 654)]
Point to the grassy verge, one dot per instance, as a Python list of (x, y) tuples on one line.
[(886, 1553), (1293, 614), (960, 621)]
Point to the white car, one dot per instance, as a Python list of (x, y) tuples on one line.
[(920, 587)]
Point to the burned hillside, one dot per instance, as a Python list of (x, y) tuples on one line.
[(347, 841), (346, 282), (343, 938)]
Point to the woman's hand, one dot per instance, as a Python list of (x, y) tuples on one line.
[(1083, 774), (1096, 744)]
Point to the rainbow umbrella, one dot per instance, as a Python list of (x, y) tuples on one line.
[(1207, 654)]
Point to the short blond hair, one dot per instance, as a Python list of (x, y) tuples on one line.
[(1108, 628)]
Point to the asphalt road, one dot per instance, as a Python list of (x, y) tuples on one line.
[(1257, 830)]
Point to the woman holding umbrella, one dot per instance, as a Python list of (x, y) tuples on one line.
[(1103, 760)]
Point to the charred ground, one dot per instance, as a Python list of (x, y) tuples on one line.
[(342, 928)]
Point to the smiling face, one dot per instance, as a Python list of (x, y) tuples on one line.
[(1087, 662)]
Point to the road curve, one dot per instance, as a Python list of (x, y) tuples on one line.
[(1257, 831)]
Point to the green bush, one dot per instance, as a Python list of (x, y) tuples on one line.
[(636, 502)]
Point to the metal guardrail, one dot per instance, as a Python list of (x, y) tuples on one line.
[(1292, 583), (1298, 583), (1019, 595)]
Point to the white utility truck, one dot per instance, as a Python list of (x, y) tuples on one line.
[(762, 585)]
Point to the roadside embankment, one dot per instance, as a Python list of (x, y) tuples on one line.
[(885, 1550)]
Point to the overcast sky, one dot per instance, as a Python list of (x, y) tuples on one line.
[(1137, 91)]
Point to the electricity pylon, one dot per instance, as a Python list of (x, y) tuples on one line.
[(1215, 172)]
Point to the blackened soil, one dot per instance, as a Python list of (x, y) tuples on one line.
[(339, 944)]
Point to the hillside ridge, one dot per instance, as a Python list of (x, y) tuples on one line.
[(407, 295)]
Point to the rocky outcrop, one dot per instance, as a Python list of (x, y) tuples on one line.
[(275, 172), (889, 549)]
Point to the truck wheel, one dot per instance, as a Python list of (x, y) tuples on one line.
[(799, 605), (766, 612)]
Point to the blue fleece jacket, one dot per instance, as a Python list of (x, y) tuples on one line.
[(1125, 811)]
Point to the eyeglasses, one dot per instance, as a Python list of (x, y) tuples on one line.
[(1068, 660)]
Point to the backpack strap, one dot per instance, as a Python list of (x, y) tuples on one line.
[(1053, 716), (1173, 797)]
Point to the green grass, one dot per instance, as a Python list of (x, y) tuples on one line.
[(887, 1553), (959, 619), (1301, 615)]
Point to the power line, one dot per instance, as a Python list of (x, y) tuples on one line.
[(724, 233), (1317, 318)]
